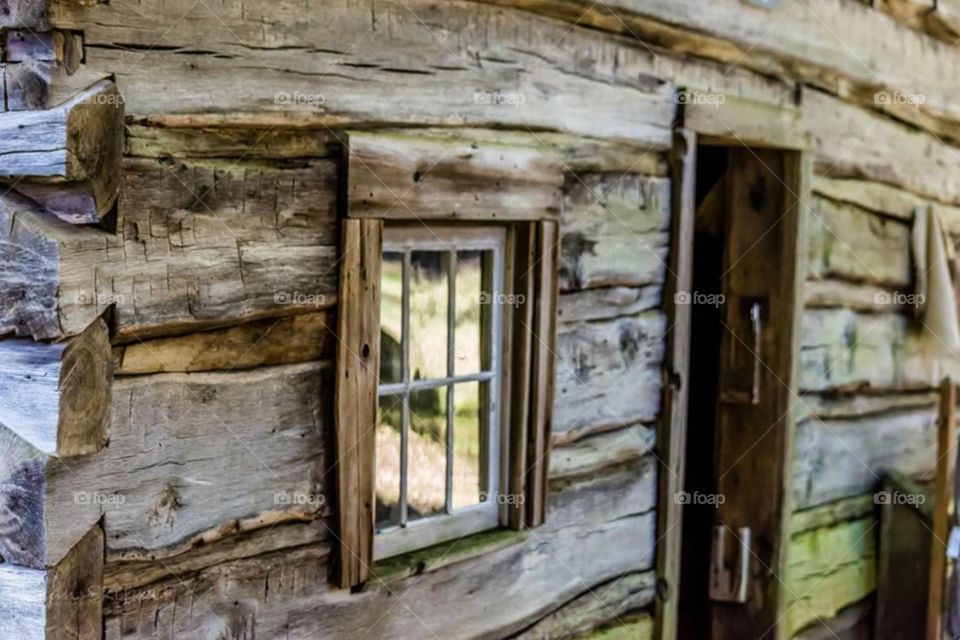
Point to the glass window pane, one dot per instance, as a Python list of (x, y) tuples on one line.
[(472, 303), (391, 318), (468, 445), (389, 417), (427, 453), (429, 294)]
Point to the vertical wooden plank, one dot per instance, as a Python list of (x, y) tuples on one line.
[(542, 377), (764, 269), (522, 365), (358, 365), (943, 507), (672, 427)]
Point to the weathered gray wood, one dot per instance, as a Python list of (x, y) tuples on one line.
[(795, 40), (189, 455), (477, 69), (837, 458), (608, 373), (404, 175), (593, 453), (64, 602), (613, 600), (75, 147), (608, 302), (850, 243), (23, 14), (262, 243), (57, 396), (596, 531), (615, 231)]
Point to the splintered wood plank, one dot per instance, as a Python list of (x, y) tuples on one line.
[(57, 396), (73, 150), (399, 175), (672, 425), (544, 331), (63, 602), (355, 414)]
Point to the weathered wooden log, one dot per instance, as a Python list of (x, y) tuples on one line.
[(287, 340), (57, 396), (828, 569), (73, 150), (838, 458), (596, 531), (262, 243), (608, 374), (591, 454), (615, 230), (608, 302), (614, 600), (65, 601), (850, 243), (403, 175), (792, 40)]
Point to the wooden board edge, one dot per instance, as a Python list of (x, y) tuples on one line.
[(672, 424)]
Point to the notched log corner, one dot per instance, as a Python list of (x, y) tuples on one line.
[(68, 158), (57, 396), (65, 601)]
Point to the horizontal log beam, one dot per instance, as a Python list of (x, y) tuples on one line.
[(57, 396), (67, 158), (405, 175)]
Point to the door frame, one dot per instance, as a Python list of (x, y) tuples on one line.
[(722, 121)]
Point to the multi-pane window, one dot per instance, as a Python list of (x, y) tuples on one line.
[(438, 440)]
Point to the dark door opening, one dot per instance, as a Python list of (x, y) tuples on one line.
[(701, 411)]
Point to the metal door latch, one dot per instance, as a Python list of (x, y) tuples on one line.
[(730, 574)]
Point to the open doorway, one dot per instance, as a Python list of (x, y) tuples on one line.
[(744, 302)]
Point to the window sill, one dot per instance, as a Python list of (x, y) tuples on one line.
[(444, 554)]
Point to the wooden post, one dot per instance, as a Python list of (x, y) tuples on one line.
[(943, 507), (358, 370), (672, 427)]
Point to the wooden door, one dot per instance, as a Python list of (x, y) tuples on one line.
[(761, 284)]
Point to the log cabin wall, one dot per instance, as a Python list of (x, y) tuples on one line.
[(217, 272)]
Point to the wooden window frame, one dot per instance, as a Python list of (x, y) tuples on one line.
[(383, 181)]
